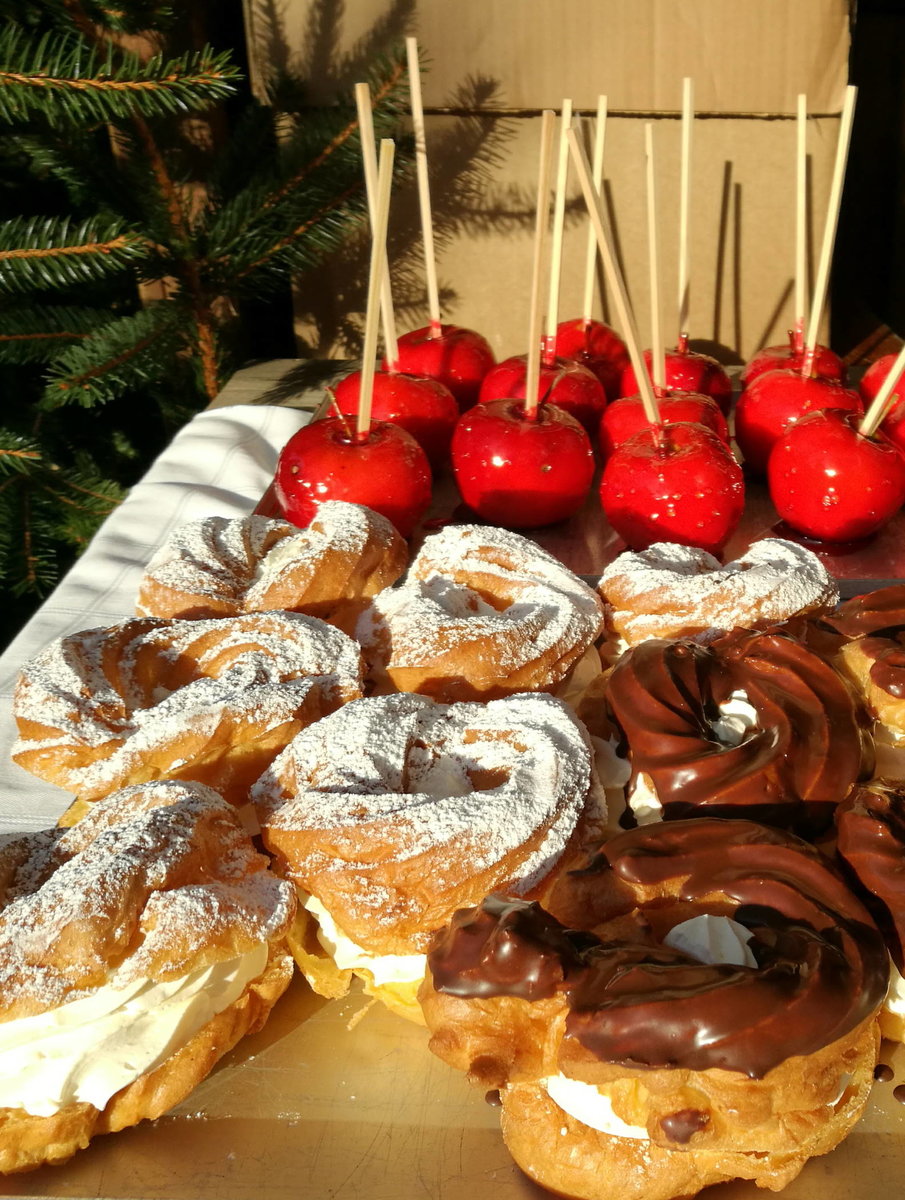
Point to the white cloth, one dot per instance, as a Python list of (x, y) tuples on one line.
[(220, 463)]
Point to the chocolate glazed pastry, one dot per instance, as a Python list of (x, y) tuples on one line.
[(630, 1068), (874, 656), (753, 725), (870, 841)]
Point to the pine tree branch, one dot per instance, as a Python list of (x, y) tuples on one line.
[(37, 334), (44, 252), (65, 80), (124, 353)]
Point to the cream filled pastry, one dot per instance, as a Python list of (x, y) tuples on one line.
[(222, 566), (393, 812), (482, 613), (669, 591), (151, 698), (752, 724), (137, 948), (704, 1009)]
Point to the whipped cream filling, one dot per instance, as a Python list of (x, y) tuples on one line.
[(89, 1049), (349, 956), (737, 717), (895, 997), (707, 938), (644, 801)]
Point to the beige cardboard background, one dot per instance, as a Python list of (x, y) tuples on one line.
[(495, 63)]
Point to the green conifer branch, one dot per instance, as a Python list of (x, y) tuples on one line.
[(56, 252), (38, 334), (123, 354), (64, 80)]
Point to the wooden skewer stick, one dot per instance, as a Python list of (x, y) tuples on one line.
[(614, 279), (829, 232), (657, 348), (801, 229), (378, 262), (541, 230), (424, 196), (590, 269), (885, 398), (685, 206), (369, 160), (559, 215)]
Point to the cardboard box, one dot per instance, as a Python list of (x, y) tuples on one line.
[(493, 66)]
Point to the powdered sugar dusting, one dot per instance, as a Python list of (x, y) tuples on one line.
[(93, 705), (483, 592), (231, 564), (669, 590), (460, 790), (157, 880)]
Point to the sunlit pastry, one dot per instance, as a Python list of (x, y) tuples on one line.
[(704, 1009), (221, 566), (137, 947), (482, 613), (397, 810), (669, 591), (151, 698)]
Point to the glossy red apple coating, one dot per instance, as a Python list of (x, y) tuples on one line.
[(565, 383), (387, 472), (459, 358), (830, 482), (686, 371), (624, 417), (676, 483), (776, 399), (521, 472), (596, 346), (875, 376), (894, 423), (423, 406), (827, 364)]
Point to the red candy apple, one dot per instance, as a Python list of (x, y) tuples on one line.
[(564, 382), (521, 470), (773, 401), (625, 417), (830, 482), (673, 483), (827, 365), (686, 371), (875, 376), (386, 470), (459, 358), (423, 406), (596, 346)]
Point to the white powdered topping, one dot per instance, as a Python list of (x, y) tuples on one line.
[(153, 877), (737, 717), (591, 1106), (235, 560), (349, 956), (87, 1050), (668, 590), (441, 608), (131, 691), (470, 788), (712, 939)]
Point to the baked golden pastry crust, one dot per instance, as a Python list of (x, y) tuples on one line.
[(669, 591), (397, 810), (222, 566), (482, 613), (151, 698), (156, 882), (687, 1069)]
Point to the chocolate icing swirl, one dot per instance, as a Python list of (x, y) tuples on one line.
[(799, 760), (883, 609), (822, 966), (870, 841)]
